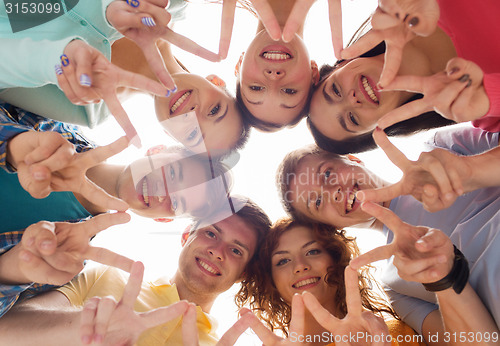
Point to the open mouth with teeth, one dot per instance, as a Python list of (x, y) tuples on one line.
[(148, 195), (306, 283), (351, 198), (178, 102), (207, 267), (275, 55), (368, 90)]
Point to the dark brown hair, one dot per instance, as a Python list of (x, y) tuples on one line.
[(263, 297)]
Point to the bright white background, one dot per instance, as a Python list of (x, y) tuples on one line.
[(158, 245)]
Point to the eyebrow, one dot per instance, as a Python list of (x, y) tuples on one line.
[(342, 123), (237, 242), (327, 97), (302, 247), (219, 119), (282, 105)]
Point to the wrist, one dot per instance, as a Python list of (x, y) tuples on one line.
[(457, 278), (10, 272), (18, 147)]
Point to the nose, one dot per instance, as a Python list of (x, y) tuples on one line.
[(274, 73), (301, 266), (216, 252), (352, 98)]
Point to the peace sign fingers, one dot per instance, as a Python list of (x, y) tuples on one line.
[(352, 295), (226, 29), (267, 17), (320, 314)]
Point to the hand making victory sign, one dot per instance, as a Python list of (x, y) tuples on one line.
[(356, 319), (436, 179), (86, 76), (457, 94), (396, 22), (54, 252), (47, 162), (105, 321)]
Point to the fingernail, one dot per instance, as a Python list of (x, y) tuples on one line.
[(413, 22), (469, 83), (148, 21), (136, 141), (98, 339), (58, 69), (85, 340), (39, 176), (174, 89), (46, 244), (464, 78), (85, 80), (379, 86), (133, 3), (64, 60), (453, 71)]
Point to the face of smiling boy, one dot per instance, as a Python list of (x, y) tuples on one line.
[(164, 185), (214, 257), (324, 189)]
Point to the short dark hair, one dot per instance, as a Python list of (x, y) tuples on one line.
[(266, 126)]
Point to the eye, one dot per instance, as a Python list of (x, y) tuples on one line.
[(336, 90), (318, 202), (172, 173), (282, 262), (193, 134), (210, 234), (214, 111), (237, 252), (313, 252), (255, 88), (327, 175), (289, 91), (352, 119), (174, 204)]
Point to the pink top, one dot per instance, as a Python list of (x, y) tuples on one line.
[(472, 26)]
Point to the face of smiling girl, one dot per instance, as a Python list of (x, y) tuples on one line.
[(348, 102), (215, 113), (275, 79), (299, 263)]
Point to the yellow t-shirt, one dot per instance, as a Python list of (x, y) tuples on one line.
[(108, 281), (407, 336)]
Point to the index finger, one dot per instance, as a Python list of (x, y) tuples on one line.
[(232, 334), (386, 216), (122, 118), (94, 156), (226, 30), (392, 152), (189, 328), (267, 17), (392, 62), (335, 14), (296, 18), (298, 312), (320, 314), (140, 82), (377, 254), (352, 295), (157, 64), (190, 46), (404, 112), (363, 45), (381, 194), (109, 258), (99, 196), (133, 286), (103, 221)]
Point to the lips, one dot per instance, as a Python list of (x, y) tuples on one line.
[(208, 267), (179, 101), (276, 53), (151, 197), (306, 283), (371, 93)]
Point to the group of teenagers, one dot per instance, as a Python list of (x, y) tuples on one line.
[(413, 66)]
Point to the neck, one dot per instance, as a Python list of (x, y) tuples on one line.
[(203, 300), (282, 10)]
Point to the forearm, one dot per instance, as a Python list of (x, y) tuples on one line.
[(465, 313), (9, 268), (485, 170), (20, 146), (31, 322)]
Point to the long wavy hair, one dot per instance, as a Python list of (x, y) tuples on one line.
[(261, 294)]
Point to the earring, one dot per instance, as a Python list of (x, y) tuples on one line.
[(237, 67), (216, 81)]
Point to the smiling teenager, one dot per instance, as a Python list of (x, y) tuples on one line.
[(318, 186), (435, 72), (299, 257), (275, 78)]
